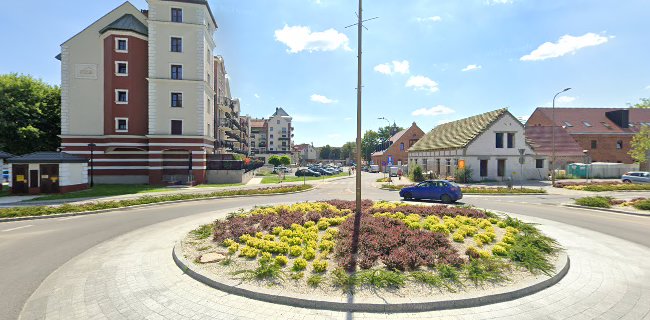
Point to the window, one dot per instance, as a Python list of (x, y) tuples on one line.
[(438, 166), (209, 106), (539, 163), (501, 167), (122, 45), (499, 137), (401, 146), (594, 144), (271, 129), (587, 124), (271, 143), (121, 124), (177, 44), (619, 144), (177, 127), (271, 136), (177, 72), (177, 100), (121, 96), (484, 168), (278, 121), (121, 68), (567, 124), (177, 15), (511, 140)]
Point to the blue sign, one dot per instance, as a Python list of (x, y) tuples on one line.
[(390, 159)]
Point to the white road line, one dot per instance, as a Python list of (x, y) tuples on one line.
[(16, 228)]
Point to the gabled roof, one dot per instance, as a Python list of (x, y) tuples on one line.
[(593, 120), (279, 112), (457, 134), (5, 155), (47, 157), (541, 138), (127, 22)]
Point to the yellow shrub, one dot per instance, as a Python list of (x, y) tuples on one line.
[(319, 265), (299, 264), (499, 250), (281, 260), (295, 251)]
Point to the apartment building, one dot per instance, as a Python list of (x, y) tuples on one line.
[(137, 92), (271, 136)]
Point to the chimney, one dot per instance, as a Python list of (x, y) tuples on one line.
[(620, 117)]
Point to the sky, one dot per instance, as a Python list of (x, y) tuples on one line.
[(424, 61)]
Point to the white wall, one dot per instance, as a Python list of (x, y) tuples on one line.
[(277, 133), (71, 174)]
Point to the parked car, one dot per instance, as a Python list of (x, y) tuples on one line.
[(443, 190), (636, 177), (374, 168), (393, 171), (307, 173), (281, 169)]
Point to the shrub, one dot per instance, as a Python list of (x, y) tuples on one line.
[(448, 273), (323, 224), (642, 204), (428, 278), (314, 280), (381, 278), (486, 269), (342, 279), (295, 251), (265, 270), (233, 248), (319, 265), (463, 175), (309, 254), (499, 250), (299, 264), (202, 232), (416, 174), (281, 260), (599, 202), (249, 252)]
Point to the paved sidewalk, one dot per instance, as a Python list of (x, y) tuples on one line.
[(134, 277), (255, 181)]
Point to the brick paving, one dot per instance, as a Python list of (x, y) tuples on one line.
[(134, 277)]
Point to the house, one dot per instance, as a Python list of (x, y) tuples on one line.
[(397, 151), (307, 153), (489, 144), (137, 91), (272, 136), (566, 149), (605, 133), (48, 172)]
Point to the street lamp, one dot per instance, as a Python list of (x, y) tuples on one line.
[(92, 164), (553, 137), (384, 142)]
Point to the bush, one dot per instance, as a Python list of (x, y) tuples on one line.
[(319, 265), (314, 280), (598, 202), (416, 174), (642, 204), (299, 264), (381, 278), (463, 175), (281, 260)]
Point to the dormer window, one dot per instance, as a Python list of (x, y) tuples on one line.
[(567, 124)]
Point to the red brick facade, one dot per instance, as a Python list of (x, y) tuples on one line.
[(398, 151)]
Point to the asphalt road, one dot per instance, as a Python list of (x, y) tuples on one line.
[(32, 250)]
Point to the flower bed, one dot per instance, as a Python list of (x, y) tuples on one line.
[(602, 186), (400, 245), (478, 190), (608, 202)]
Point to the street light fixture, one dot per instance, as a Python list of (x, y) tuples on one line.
[(92, 164), (553, 137)]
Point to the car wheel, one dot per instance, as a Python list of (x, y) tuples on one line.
[(627, 181), (446, 199)]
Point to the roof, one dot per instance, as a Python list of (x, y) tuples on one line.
[(541, 138), (257, 123), (5, 155), (279, 112), (594, 120), (127, 22), (204, 2), (457, 134), (398, 135), (47, 157)]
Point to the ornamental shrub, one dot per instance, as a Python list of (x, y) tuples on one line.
[(249, 252), (323, 224), (299, 264), (499, 250), (281, 260), (642, 204), (309, 254), (319, 265), (233, 248), (326, 245), (295, 251), (416, 174)]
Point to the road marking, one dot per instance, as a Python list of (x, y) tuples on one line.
[(16, 228)]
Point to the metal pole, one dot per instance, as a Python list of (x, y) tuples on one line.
[(357, 214), (92, 165), (553, 137)]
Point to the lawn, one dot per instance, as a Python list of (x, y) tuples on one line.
[(223, 185), (105, 190), (292, 178)]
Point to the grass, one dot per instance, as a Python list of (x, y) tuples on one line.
[(203, 232), (4, 192), (222, 185), (597, 202), (486, 269), (531, 249), (291, 178), (478, 190), (266, 270), (314, 280), (642, 204), (105, 190), (94, 206)]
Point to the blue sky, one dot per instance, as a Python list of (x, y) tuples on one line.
[(297, 54)]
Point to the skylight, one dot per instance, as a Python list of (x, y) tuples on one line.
[(567, 124), (587, 124)]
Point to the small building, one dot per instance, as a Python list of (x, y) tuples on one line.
[(48, 172), (3, 157), (397, 151), (307, 153), (489, 144)]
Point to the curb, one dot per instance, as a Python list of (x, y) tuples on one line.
[(184, 265), (607, 210), (83, 213)]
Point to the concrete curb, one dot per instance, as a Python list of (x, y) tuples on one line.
[(607, 210), (83, 213), (184, 265)]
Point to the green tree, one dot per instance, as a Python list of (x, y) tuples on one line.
[(285, 160), (30, 114), (369, 143), (275, 160), (640, 145), (388, 131), (335, 154), (348, 150), (416, 174), (325, 152), (644, 104)]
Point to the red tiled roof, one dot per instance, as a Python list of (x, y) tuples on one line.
[(594, 120), (257, 123), (541, 139)]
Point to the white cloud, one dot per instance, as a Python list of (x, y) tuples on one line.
[(299, 38), (433, 111), (647, 87), (422, 83), (565, 99), (257, 96), (565, 45), (428, 19), (471, 67), (322, 99), (402, 67)]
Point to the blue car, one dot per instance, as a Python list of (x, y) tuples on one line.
[(443, 190)]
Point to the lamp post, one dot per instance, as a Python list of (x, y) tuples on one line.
[(92, 164), (553, 137), (384, 141)]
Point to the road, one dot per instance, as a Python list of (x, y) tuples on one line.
[(32, 250)]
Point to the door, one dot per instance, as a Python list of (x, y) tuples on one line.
[(436, 190), (484, 168), (19, 178), (501, 167), (49, 178)]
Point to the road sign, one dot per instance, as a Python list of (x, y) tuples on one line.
[(522, 160)]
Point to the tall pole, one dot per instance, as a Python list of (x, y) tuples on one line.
[(357, 214), (92, 164), (553, 137)]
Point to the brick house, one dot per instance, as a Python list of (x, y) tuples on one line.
[(397, 152), (605, 133)]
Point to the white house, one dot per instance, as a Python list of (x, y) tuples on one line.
[(489, 144)]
